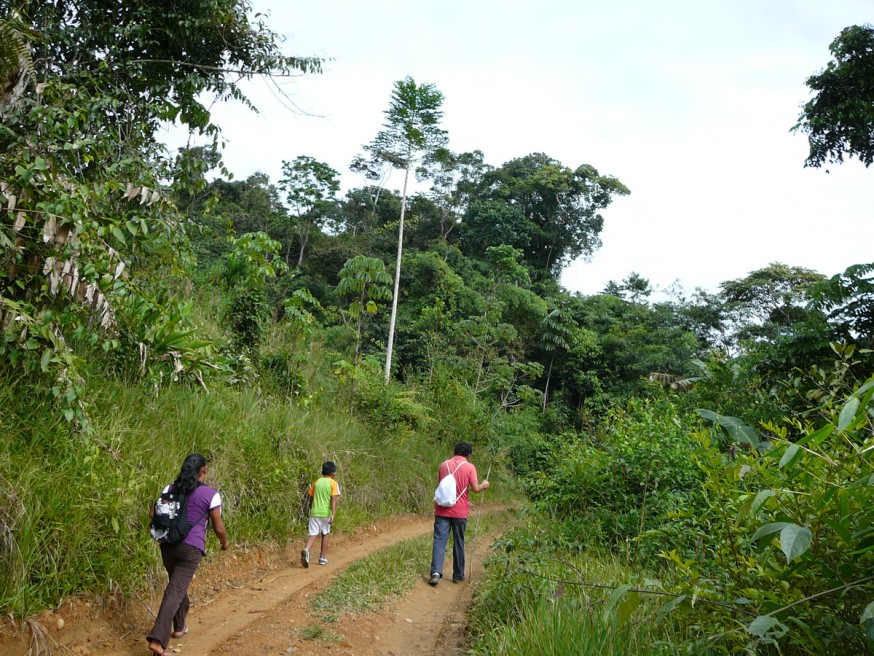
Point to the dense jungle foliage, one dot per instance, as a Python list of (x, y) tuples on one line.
[(705, 458)]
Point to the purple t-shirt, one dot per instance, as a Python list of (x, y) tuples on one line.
[(201, 501)]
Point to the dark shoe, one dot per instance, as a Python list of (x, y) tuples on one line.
[(458, 580), (305, 558), (434, 580)]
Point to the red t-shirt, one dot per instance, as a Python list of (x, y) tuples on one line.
[(464, 476)]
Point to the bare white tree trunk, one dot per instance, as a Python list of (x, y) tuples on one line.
[(394, 298)]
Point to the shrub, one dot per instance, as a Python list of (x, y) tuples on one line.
[(788, 530), (632, 477)]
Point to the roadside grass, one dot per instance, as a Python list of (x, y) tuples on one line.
[(373, 582), (73, 508), (554, 628), (370, 583), (540, 598)]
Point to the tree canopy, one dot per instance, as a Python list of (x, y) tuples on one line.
[(553, 211), (839, 119)]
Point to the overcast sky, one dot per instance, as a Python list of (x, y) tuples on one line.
[(689, 103)]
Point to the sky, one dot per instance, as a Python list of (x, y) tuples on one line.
[(689, 103)]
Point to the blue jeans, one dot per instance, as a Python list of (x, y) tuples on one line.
[(442, 525)]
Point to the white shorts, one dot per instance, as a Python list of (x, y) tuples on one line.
[(320, 525)]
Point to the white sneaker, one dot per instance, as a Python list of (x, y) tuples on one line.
[(323, 561), (305, 557)]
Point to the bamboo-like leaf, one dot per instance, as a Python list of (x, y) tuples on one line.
[(765, 625), (867, 620), (768, 529), (848, 413), (614, 597), (670, 606), (793, 452), (759, 501)]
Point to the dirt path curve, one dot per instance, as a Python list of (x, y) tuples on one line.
[(253, 604)]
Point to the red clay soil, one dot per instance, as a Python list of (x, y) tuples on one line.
[(256, 602)]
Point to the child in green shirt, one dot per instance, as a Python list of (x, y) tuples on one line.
[(323, 496)]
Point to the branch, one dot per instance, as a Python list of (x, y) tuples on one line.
[(852, 584), (603, 586), (218, 69)]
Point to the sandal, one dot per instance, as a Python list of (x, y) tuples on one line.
[(178, 634)]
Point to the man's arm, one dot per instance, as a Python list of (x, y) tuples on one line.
[(479, 487), (475, 485), (218, 526)]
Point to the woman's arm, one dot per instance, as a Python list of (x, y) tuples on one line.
[(218, 526)]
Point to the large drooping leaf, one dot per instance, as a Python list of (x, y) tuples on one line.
[(767, 626), (737, 430)]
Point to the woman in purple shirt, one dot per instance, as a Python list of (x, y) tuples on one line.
[(182, 560)]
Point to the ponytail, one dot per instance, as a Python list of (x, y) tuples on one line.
[(189, 475)]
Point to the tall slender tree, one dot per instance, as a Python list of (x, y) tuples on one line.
[(309, 186), (411, 140)]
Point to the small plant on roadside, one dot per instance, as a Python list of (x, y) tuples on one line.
[(317, 632)]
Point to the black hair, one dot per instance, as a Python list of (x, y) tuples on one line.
[(463, 449), (189, 475), (329, 468)]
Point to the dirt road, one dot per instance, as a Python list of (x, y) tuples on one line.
[(257, 602)]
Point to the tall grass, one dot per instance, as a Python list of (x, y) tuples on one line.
[(73, 508), (539, 597), (557, 628)]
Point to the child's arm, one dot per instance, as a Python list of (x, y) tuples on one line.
[(334, 498), (308, 504)]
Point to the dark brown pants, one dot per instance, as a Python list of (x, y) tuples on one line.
[(180, 562)]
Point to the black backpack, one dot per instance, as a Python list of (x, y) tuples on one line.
[(170, 523)]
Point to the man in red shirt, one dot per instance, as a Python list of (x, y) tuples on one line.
[(454, 519)]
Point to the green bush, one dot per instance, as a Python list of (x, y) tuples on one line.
[(630, 478), (789, 529)]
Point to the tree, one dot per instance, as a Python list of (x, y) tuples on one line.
[(768, 301), (161, 62), (635, 288), (555, 210), (455, 181), (89, 230), (839, 119), (776, 328), (410, 140), (251, 261), (365, 280), (848, 299), (309, 185), (557, 335)]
